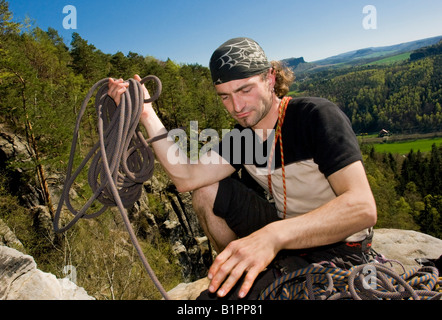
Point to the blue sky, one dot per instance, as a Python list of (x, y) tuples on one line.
[(188, 31)]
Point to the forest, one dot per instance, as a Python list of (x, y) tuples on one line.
[(43, 82), (401, 98)]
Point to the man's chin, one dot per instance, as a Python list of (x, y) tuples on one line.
[(247, 122), (244, 123)]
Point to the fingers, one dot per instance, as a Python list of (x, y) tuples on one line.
[(146, 93), (229, 267), (232, 273), (116, 89), (243, 259), (249, 280), (223, 266), (219, 261), (233, 277)]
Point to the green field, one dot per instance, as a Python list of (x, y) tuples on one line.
[(391, 60), (404, 147)]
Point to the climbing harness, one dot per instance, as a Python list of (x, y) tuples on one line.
[(371, 281), (278, 136), (121, 161)]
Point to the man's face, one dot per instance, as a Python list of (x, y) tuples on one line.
[(247, 100)]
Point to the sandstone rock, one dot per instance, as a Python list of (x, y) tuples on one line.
[(21, 280), (14, 147), (43, 221), (8, 238), (405, 246), (11, 144), (189, 291)]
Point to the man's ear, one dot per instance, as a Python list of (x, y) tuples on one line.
[(271, 78)]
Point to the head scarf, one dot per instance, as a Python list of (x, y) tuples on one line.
[(238, 58)]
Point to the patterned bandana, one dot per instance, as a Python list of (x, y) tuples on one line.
[(238, 58)]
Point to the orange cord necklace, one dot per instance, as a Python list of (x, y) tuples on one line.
[(278, 135)]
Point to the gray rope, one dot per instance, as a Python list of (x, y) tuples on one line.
[(319, 282), (121, 161)]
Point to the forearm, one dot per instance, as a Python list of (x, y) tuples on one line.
[(185, 175), (353, 210), (331, 223), (178, 171)]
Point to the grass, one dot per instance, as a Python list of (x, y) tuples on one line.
[(392, 59), (404, 147)]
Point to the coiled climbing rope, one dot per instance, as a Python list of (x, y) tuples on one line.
[(322, 282), (121, 161)]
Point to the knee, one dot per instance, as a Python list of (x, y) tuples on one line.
[(203, 199)]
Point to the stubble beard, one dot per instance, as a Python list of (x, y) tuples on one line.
[(257, 114)]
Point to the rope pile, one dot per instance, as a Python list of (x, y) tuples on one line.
[(320, 282), (121, 161)]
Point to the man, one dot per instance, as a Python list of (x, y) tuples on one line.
[(323, 206)]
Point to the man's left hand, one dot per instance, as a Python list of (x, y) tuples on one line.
[(249, 256)]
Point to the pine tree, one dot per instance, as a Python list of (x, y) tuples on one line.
[(435, 171), (88, 61)]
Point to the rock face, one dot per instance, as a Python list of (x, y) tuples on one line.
[(179, 226), (8, 238), (21, 280)]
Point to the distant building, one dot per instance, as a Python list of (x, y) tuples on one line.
[(383, 133)]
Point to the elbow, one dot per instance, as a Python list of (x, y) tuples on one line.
[(370, 214), (364, 205), (364, 210), (181, 186), (184, 185)]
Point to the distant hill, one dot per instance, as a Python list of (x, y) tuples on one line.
[(295, 62), (359, 57), (400, 93), (427, 51)]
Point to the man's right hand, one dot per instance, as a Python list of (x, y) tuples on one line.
[(116, 89)]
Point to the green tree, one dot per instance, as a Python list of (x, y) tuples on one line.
[(87, 60), (429, 219), (7, 26), (435, 171), (120, 66)]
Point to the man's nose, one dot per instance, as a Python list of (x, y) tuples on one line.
[(238, 104)]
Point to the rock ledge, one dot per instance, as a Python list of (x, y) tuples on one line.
[(21, 280)]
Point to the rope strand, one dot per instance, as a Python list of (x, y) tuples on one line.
[(322, 282), (278, 136)]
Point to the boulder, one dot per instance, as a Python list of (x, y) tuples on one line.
[(189, 291), (406, 246), (8, 238), (21, 280)]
